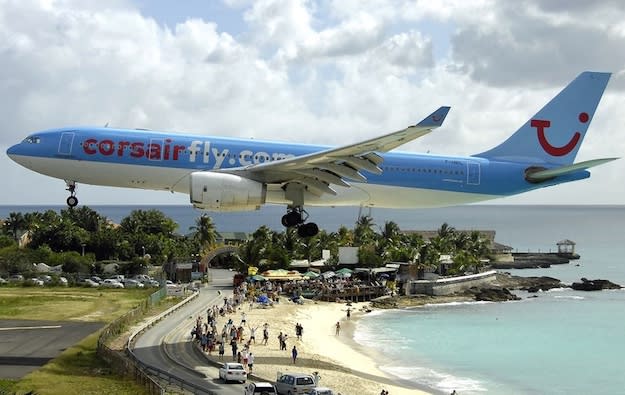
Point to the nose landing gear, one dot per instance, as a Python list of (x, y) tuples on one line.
[(72, 200)]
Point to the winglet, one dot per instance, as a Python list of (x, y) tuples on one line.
[(435, 119)]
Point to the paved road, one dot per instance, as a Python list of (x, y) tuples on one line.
[(26, 345), (175, 332)]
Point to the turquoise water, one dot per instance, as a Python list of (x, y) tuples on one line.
[(563, 342)]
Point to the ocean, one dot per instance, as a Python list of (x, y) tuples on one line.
[(561, 342)]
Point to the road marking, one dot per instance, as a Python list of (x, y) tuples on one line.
[(18, 328)]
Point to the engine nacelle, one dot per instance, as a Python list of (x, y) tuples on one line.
[(226, 192)]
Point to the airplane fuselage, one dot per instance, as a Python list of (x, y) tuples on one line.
[(163, 161)]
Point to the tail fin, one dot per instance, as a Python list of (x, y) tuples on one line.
[(555, 133)]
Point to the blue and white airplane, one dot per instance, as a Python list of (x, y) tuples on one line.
[(228, 174)]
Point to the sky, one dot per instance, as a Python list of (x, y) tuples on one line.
[(328, 72)]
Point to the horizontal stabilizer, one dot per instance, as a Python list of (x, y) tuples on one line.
[(542, 175)]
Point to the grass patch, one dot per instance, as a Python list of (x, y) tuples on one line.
[(68, 304), (77, 370)]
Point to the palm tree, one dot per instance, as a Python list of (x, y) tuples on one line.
[(204, 232), (391, 230), (15, 224), (345, 236), (363, 232)]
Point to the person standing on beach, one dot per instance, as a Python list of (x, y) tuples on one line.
[(221, 350), (316, 378), (294, 354), (252, 333), (235, 347), (338, 328), (250, 362), (265, 336)]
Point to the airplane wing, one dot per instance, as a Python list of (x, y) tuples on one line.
[(548, 174), (335, 166)]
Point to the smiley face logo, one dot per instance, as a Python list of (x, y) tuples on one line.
[(541, 125)]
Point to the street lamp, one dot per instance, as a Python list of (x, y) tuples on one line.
[(83, 248)]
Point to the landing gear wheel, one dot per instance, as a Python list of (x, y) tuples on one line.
[(72, 201), (308, 230), (292, 218)]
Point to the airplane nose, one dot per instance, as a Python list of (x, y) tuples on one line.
[(13, 151)]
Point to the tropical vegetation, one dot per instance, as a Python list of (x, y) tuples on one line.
[(82, 240)]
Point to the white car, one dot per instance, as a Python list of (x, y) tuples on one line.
[(153, 284), (87, 282), (111, 283), (130, 283), (35, 281), (261, 388), (232, 371)]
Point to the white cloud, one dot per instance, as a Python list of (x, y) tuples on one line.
[(330, 72)]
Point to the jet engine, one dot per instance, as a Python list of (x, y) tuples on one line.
[(226, 192)]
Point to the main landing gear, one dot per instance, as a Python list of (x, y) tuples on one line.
[(72, 200), (297, 216)]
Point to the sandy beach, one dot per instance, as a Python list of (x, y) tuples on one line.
[(343, 365)]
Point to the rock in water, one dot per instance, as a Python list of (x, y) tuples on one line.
[(594, 285)]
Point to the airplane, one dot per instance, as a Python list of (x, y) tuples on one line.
[(232, 174)]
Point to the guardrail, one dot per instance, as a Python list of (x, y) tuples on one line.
[(128, 363)]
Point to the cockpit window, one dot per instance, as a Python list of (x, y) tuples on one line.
[(32, 140)]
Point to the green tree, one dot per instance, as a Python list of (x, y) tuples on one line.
[(204, 232), (84, 217), (363, 232), (15, 225)]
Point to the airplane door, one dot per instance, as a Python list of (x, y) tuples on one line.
[(473, 173), (155, 150), (65, 144)]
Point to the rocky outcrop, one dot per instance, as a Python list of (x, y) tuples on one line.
[(492, 294), (594, 285), (529, 284)]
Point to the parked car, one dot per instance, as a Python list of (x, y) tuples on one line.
[(295, 383), (45, 278), (34, 281), (261, 388), (3, 281), (232, 371), (321, 391), (16, 278), (152, 283), (96, 279), (87, 282), (63, 281), (130, 283), (111, 283)]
